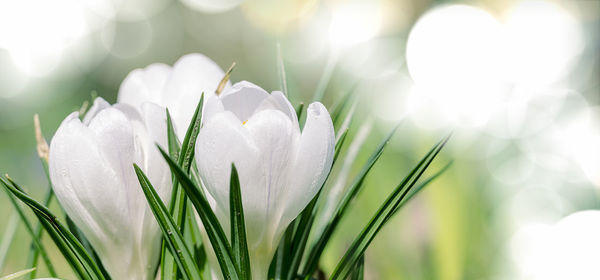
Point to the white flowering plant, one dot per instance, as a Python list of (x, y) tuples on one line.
[(190, 177)]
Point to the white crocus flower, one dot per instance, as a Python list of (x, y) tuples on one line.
[(280, 168), (94, 180), (178, 88)]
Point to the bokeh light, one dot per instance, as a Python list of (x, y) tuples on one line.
[(542, 42), (569, 249), (353, 22), (36, 38)]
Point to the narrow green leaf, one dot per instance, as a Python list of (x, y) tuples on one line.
[(32, 258), (210, 222), (173, 142), (360, 244), (36, 242), (338, 108), (325, 77), (17, 274), (73, 251), (238, 226), (299, 110), (300, 238), (171, 233), (358, 273), (177, 204), (317, 249), (421, 186), (7, 238), (189, 142), (281, 72), (86, 245), (168, 268), (339, 144), (281, 260)]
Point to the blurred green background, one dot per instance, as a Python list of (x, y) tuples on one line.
[(517, 82)]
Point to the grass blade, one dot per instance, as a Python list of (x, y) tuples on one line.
[(168, 269), (421, 186), (325, 77), (177, 204), (281, 72), (34, 253), (172, 235), (360, 244), (317, 249), (238, 226), (43, 153), (36, 242), (17, 274), (358, 273), (338, 108), (299, 109), (73, 251), (210, 222), (7, 237)]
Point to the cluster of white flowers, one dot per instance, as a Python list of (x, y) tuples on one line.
[(280, 167)]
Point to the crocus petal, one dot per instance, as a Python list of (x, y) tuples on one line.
[(313, 160), (212, 106), (144, 85), (243, 99), (278, 101), (192, 75), (98, 105), (275, 137), (93, 178), (223, 141)]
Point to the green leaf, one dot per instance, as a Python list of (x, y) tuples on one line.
[(338, 108), (69, 246), (36, 242), (358, 273), (32, 258), (281, 72), (360, 244), (299, 110), (17, 274), (325, 77), (238, 226), (8, 237), (422, 185), (189, 142), (86, 244), (168, 269), (171, 233), (339, 144), (172, 140), (178, 202), (215, 232), (300, 237), (317, 250)]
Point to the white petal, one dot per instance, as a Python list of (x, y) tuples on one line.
[(93, 178), (88, 190), (243, 99), (220, 142), (212, 106), (99, 105), (192, 75), (157, 169), (278, 101), (144, 85), (313, 160), (276, 139)]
